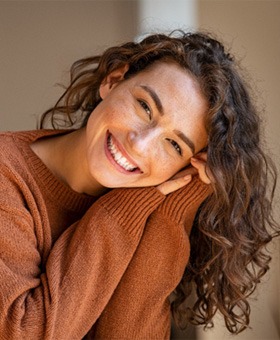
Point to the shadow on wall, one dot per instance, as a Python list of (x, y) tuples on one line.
[(189, 333)]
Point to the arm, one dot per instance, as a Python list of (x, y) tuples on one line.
[(82, 270), (140, 308)]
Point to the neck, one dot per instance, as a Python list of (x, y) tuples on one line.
[(65, 156)]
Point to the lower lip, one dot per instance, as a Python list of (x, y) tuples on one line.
[(114, 163)]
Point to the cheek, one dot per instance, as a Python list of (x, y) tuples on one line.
[(165, 167), (202, 140), (198, 135), (119, 113)]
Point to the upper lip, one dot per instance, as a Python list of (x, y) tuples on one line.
[(123, 151)]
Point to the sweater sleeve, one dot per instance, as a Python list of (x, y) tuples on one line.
[(83, 268), (140, 308)]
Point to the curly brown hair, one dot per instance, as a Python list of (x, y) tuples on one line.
[(235, 223)]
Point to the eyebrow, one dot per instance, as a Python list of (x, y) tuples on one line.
[(159, 106), (155, 98), (185, 139)]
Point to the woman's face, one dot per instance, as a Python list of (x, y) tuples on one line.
[(146, 128)]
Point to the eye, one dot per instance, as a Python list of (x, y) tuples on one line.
[(146, 107), (176, 146)]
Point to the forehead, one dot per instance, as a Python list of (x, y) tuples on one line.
[(168, 74), (174, 85)]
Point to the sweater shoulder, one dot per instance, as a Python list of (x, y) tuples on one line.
[(9, 149), (14, 170), (13, 144), (24, 171)]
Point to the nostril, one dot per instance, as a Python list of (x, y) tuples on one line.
[(132, 138), (132, 135)]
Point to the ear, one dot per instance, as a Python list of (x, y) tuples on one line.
[(112, 80)]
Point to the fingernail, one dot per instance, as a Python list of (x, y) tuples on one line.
[(188, 177)]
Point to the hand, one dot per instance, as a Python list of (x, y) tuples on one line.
[(199, 162), (181, 179), (184, 177)]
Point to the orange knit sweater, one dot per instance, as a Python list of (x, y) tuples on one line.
[(71, 262)]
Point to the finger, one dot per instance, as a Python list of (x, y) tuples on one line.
[(190, 170), (200, 165), (202, 156), (174, 184)]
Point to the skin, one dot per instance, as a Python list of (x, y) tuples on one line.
[(142, 119)]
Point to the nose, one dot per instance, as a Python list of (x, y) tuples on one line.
[(141, 141)]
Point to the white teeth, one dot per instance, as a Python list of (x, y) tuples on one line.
[(118, 157)]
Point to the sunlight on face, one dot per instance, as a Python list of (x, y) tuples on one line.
[(146, 128)]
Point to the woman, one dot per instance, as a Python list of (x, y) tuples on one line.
[(96, 220)]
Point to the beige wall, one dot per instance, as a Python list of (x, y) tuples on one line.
[(39, 40), (252, 28)]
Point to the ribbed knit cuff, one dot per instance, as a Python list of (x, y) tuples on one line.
[(183, 202), (131, 206)]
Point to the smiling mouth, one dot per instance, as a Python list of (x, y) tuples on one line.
[(118, 157)]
